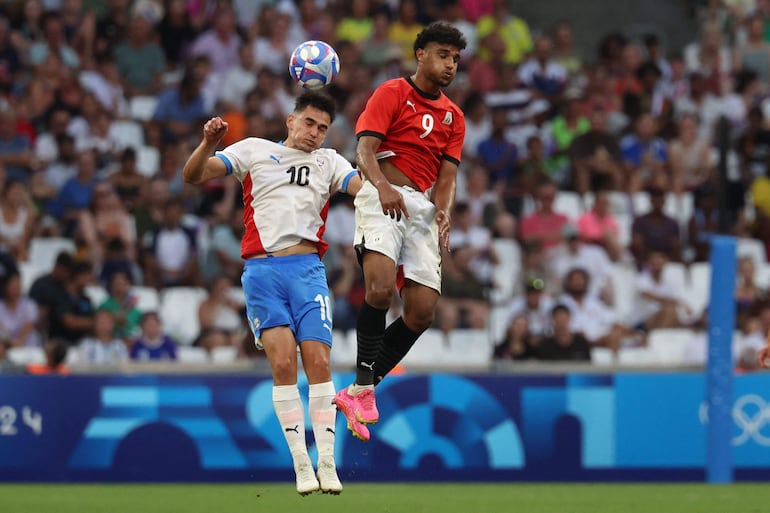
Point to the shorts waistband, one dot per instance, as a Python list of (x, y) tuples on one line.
[(284, 259)]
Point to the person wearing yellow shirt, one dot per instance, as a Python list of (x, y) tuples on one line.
[(356, 27), (404, 30), (512, 30)]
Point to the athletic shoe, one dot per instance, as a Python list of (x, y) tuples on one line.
[(351, 406), (306, 479), (327, 476)]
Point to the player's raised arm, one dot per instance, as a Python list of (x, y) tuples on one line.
[(201, 166)]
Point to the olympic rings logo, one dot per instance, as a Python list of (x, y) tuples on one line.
[(751, 414)]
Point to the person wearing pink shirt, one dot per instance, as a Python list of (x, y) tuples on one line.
[(544, 225), (598, 226)]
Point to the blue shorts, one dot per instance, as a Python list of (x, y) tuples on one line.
[(288, 291)]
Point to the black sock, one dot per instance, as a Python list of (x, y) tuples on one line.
[(370, 329), (398, 340)]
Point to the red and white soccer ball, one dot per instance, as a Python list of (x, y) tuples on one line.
[(314, 64)]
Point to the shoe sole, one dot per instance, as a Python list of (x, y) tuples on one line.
[(308, 492), (341, 409)]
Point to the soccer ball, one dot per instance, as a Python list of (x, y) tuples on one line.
[(314, 64)]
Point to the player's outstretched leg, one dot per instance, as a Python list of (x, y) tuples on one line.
[(307, 482), (323, 417), (351, 407)]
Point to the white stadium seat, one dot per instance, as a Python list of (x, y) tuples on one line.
[(147, 298), (506, 273), (570, 204), (190, 354), (667, 346), (26, 355), (224, 354), (44, 250), (147, 161), (179, 312), (427, 351), (127, 134), (142, 108), (467, 348)]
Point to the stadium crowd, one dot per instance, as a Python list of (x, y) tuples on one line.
[(586, 195)]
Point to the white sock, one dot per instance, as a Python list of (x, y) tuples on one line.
[(323, 416), (355, 389), (291, 416)]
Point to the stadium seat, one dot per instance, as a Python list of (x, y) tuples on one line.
[(190, 354), (26, 355), (29, 272), (142, 108), (634, 356), (224, 354), (675, 273), (625, 224), (763, 276), (427, 352), (127, 134), (506, 273), (147, 161), (44, 250), (570, 204), (602, 356), (623, 291), (97, 294), (343, 348), (498, 322), (699, 290), (467, 348), (238, 295), (752, 248), (667, 346), (641, 203), (147, 299), (179, 312)]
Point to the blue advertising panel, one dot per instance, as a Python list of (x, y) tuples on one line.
[(434, 427)]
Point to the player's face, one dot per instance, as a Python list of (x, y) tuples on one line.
[(438, 62), (307, 129)]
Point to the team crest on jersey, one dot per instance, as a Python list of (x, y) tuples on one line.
[(320, 162), (447, 118)]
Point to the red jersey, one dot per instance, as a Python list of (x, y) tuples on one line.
[(417, 130)]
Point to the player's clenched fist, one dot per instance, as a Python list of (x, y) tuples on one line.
[(214, 129)]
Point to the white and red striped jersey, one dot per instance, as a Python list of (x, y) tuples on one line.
[(286, 192)]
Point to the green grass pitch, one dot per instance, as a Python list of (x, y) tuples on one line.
[(389, 498)]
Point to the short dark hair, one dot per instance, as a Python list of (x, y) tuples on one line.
[(317, 99), (441, 33), (559, 307)]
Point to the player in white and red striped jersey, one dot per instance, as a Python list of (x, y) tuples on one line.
[(286, 191)]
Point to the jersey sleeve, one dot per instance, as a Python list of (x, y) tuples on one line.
[(342, 173), (454, 147), (238, 157), (380, 110)]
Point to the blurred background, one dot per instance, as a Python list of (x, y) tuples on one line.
[(572, 326)]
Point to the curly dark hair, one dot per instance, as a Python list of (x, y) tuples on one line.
[(317, 99), (441, 33)]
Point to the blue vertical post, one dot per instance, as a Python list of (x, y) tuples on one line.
[(719, 372)]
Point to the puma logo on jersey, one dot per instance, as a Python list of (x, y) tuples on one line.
[(276, 159), (410, 104), (447, 118)]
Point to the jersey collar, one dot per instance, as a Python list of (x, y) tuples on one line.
[(421, 92)]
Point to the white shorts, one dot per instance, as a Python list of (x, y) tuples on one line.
[(411, 243)]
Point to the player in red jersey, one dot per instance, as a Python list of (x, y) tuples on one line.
[(410, 138)]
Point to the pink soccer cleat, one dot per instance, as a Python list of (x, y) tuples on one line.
[(358, 409)]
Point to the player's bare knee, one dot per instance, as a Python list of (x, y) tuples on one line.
[(379, 296), (419, 320), (284, 370)]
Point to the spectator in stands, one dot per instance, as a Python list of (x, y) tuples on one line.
[(176, 33), (655, 231), (238, 81), (127, 182), (535, 305), (565, 127), (596, 157), (212, 338), (171, 251), (748, 293), (105, 84), (573, 253), (10, 57), (140, 59), (465, 232), (518, 343), (17, 217), (224, 256), (483, 202), (105, 220), (513, 31), (564, 52), (220, 43), (542, 73), (356, 25), (46, 143), (702, 103), (463, 302), (545, 225), (703, 224), (376, 49), (55, 356), (181, 108), (220, 311), (102, 347), (711, 57), (589, 316), (563, 344), (599, 227), (122, 304), (149, 213), (72, 317), (76, 194), (689, 156), (452, 13), (645, 156), (754, 144), (153, 344), (19, 315), (754, 53), (496, 153), (659, 304), (50, 290), (54, 42), (478, 124), (16, 153), (404, 29)]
